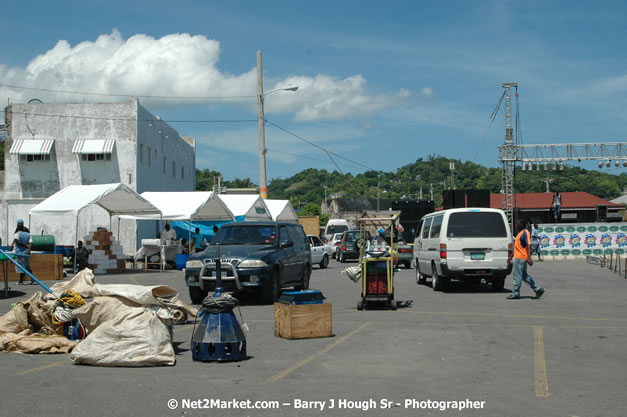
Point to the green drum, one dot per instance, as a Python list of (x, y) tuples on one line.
[(42, 242)]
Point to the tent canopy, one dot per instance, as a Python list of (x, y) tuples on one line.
[(281, 210), (250, 206), (115, 198), (185, 205)]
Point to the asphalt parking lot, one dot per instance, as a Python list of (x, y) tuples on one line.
[(557, 356)]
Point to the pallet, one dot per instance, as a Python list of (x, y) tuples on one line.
[(303, 321)]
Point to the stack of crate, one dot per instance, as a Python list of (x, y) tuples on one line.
[(106, 254)]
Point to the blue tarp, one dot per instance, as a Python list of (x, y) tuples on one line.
[(186, 228)]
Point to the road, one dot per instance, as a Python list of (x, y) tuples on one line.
[(557, 356)]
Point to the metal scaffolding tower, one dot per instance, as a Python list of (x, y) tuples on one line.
[(508, 156), (543, 156)]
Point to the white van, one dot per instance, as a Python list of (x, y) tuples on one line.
[(334, 226), (463, 244)]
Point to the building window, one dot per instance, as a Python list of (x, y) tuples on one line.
[(182, 173), (96, 156), (149, 156), (173, 169), (141, 153), (165, 164), (34, 158)]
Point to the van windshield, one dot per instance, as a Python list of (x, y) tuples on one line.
[(476, 224), (336, 228)]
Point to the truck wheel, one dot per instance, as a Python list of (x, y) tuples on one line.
[(197, 295), (498, 283), (306, 278), (437, 282), (325, 262), (272, 289)]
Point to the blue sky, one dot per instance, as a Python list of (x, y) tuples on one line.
[(380, 83)]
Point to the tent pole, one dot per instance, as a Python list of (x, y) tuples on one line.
[(75, 242), (189, 239), (119, 229)]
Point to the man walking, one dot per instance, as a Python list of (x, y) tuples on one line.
[(522, 258)]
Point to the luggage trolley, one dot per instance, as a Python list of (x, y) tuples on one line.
[(377, 268)]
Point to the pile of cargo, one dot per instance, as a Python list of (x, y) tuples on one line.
[(106, 255)]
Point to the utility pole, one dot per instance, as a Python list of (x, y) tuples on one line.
[(451, 166), (431, 191), (378, 194), (263, 188)]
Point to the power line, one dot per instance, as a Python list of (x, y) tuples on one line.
[(305, 157), (319, 147), (48, 90)]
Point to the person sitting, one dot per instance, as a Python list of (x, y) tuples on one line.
[(82, 254), (183, 248)]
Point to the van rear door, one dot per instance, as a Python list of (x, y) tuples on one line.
[(477, 238)]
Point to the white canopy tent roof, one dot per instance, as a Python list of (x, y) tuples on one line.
[(185, 205), (116, 199), (281, 210), (251, 206)]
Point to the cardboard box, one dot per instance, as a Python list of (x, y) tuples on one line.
[(303, 321)]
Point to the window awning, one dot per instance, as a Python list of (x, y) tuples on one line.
[(85, 146), (31, 146)]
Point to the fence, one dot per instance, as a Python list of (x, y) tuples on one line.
[(611, 261)]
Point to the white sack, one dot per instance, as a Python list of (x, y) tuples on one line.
[(122, 334)]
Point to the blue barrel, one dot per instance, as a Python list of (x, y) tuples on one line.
[(181, 260)]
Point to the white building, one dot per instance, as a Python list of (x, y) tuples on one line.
[(51, 146)]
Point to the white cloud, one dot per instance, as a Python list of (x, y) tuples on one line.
[(181, 65)]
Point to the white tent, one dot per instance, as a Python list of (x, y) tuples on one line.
[(251, 206), (116, 199), (281, 210), (185, 205)]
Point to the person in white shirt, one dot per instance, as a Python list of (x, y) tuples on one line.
[(168, 237)]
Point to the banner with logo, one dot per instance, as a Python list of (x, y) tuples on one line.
[(582, 239)]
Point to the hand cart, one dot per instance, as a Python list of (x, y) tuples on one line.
[(377, 268)]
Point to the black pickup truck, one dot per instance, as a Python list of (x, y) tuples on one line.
[(254, 256)]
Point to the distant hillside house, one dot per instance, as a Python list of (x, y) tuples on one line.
[(539, 206), (51, 146)]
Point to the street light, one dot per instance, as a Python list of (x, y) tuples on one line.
[(263, 185)]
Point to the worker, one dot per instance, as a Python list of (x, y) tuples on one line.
[(522, 257), (197, 240), (21, 244), (168, 237)]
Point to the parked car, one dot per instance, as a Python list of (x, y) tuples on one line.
[(335, 243), (320, 252), (255, 256), (463, 244), (349, 245), (404, 253)]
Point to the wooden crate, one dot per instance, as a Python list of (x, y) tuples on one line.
[(45, 267), (303, 321)]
